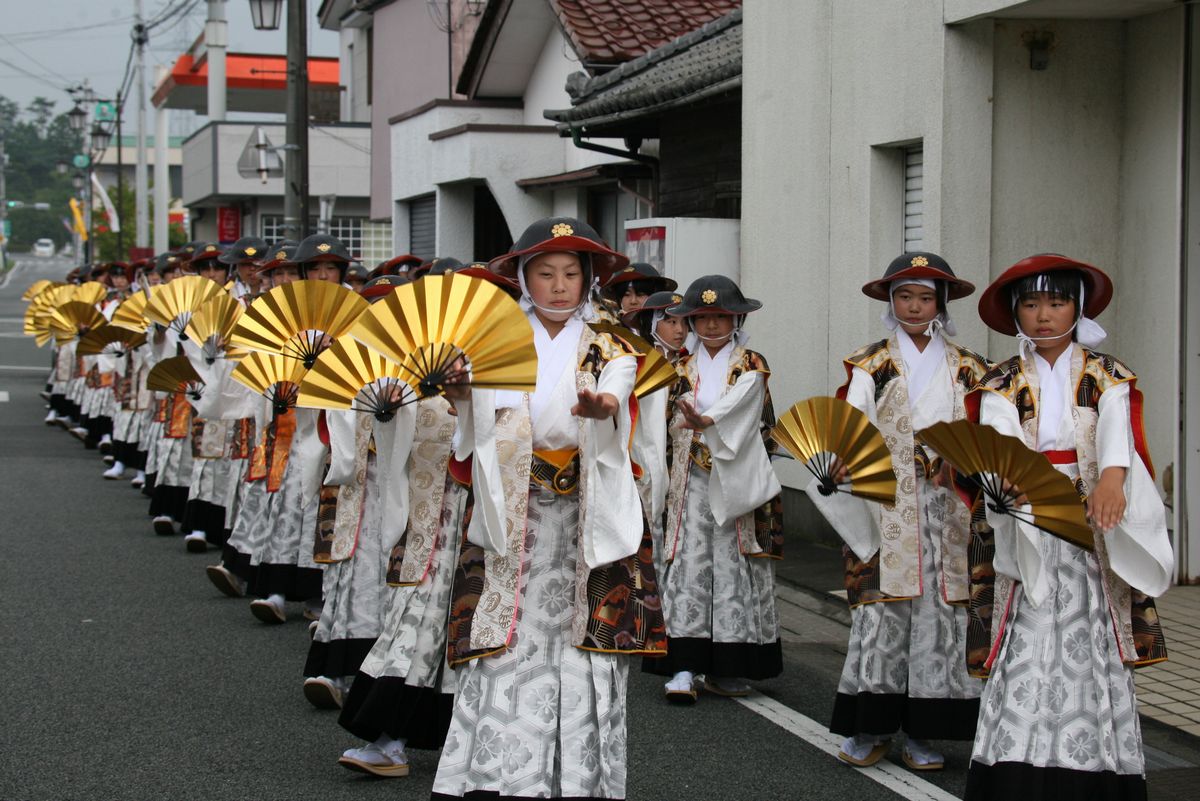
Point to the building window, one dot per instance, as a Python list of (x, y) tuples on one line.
[(914, 198), (376, 243), (422, 226), (348, 229)]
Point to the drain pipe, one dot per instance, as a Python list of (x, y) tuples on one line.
[(650, 161)]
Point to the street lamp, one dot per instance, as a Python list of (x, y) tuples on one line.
[(60, 167), (78, 118), (78, 180), (265, 14), (100, 137)]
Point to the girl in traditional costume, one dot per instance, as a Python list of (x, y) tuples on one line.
[(550, 595), (1059, 717), (650, 449), (906, 563), (403, 694), (723, 526)]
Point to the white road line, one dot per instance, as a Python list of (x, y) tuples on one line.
[(26, 367), (893, 777), (3, 397)]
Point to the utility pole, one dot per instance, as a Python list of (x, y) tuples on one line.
[(162, 179), (120, 180), (3, 204), (295, 175), (141, 194)]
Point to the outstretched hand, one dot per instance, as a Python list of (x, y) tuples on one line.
[(595, 405), (1106, 504), (692, 419)]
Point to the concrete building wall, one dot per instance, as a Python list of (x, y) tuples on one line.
[(1146, 312), (409, 70), (1082, 158), (354, 58)]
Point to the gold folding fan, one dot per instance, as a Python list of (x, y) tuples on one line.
[(212, 326), (298, 320), (450, 327), (821, 431), (654, 372), (73, 318), (131, 313), (173, 304), (277, 378), (41, 307), (1004, 467), (112, 339), (91, 292), (38, 287), (175, 375), (349, 375)]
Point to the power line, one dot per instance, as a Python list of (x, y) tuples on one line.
[(25, 53), (50, 33), (32, 75)]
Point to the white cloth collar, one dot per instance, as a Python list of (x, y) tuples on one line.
[(920, 366), (712, 373)]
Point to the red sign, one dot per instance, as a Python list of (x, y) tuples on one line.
[(229, 225)]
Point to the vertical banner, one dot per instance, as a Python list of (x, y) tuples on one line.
[(229, 225)]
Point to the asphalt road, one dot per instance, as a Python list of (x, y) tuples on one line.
[(127, 676)]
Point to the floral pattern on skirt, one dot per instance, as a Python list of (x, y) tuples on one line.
[(543, 718)]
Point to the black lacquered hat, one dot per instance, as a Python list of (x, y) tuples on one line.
[(437, 266), (207, 251), (246, 249), (918, 265), (170, 260), (562, 235), (714, 293), (648, 279), (322, 247)]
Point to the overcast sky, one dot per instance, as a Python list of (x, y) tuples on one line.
[(61, 42)]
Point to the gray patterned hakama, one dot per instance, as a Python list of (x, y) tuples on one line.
[(880, 682), (542, 719), (412, 645), (719, 604), (1061, 657)]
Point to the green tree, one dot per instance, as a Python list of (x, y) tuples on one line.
[(104, 239)]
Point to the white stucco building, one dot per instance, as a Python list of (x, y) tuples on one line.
[(985, 131)]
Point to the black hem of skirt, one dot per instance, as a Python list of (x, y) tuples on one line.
[(148, 487), (726, 660), (238, 563), (489, 795), (888, 713), (1009, 780), (386, 705), (97, 427), (206, 517), (293, 582), (123, 451), (168, 500), (337, 658), (59, 404)]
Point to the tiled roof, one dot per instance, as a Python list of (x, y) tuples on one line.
[(616, 31), (703, 65)]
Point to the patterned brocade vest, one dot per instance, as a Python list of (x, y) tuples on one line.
[(1134, 616), (894, 572), (617, 606), (759, 532)]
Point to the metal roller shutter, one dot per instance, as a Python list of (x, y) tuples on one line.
[(422, 226), (914, 196)]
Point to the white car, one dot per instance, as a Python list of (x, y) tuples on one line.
[(43, 247)]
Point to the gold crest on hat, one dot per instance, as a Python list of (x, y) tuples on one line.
[(920, 261), (281, 255), (210, 248), (385, 281), (562, 229), (251, 251), (709, 297), (677, 299), (324, 247)]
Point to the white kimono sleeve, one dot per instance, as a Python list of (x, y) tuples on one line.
[(650, 448), (308, 453), (1139, 547), (612, 528), (851, 517), (342, 446), (393, 444), (742, 478), (1019, 545), (475, 436)]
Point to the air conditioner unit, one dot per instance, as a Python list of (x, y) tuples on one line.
[(685, 248)]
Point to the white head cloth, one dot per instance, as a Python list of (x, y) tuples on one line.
[(1088, 332), (941, 322)]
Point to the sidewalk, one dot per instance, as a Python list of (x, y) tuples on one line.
[(1168, 692)]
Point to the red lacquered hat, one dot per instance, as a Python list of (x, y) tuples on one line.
[(996, 306)]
